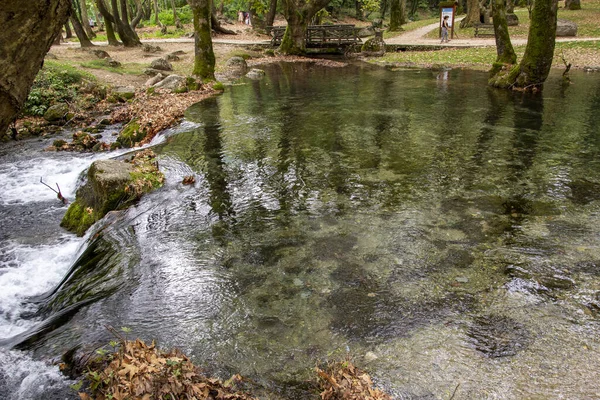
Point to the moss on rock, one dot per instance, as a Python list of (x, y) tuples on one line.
[(112, 185), (131, 134)]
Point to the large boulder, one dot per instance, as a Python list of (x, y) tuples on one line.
[(565, 28), (161, 64), (56, 112), (172, 82), (366, 32), (154, 80), (512, 19), (124, 92), (111, 185)]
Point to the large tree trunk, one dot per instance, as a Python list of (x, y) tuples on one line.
[(294, 38), (110, 35), (270, 19), (108, 22), (85, 20), (472, 16), (504, 49), (537, 60), (397, 15), (298, 14), (535, 66), (28, 30), (68, 33), (204, 60), (139, 15), (84, 41), (127, 35)]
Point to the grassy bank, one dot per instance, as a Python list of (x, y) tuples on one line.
[(580, 54)]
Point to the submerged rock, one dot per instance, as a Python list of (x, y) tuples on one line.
[(255, 74), (498, 336), (111, 185)]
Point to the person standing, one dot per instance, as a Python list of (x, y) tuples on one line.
[(445, 27)]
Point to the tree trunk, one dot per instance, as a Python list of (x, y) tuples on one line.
[(472, 16), (537, 60), (298, 14), (360, 15), (204, 60), (127, 35), (139, 15), (294, 38), (108, 23), (85, 20), (110, 35), (84, 41), (397, 15), (510, 7), (156, 11), (68, 33), (217, 27), (178, 23), (535, 66), (384, 6), (22, 55), (573, 4), (271, 14), (504, 49)]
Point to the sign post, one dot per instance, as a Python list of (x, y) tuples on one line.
[(448, 8)]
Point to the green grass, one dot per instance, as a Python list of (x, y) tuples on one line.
[(587, 19), (590, 45), (482, 58), (127, 68)]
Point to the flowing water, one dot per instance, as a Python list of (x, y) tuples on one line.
[(443, 234)]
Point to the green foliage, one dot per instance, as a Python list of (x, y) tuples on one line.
[(369, 6), (55, 83), (184, 13)]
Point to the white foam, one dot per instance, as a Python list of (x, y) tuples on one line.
[(26, 378), (20, 181), (30, 271)]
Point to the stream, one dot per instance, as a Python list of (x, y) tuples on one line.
[(442, 234)]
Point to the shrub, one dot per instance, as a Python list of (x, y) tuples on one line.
[(55, 83)]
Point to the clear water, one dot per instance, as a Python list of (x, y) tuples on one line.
[(443, 234)]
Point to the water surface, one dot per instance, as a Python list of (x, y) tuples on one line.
[(439, 232)]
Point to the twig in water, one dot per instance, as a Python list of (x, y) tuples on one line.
[(58, 193)]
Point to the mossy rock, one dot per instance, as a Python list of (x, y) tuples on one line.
[(56, 112), (131, 134), (111, 185)]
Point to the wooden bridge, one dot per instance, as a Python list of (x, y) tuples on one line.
[(321, 35)]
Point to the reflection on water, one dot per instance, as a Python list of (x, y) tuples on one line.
[(448, 230)]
